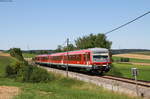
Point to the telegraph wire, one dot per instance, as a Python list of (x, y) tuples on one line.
[(127, 23)]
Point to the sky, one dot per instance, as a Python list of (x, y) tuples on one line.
[(45, 24)]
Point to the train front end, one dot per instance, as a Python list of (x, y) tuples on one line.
[(101, 60)]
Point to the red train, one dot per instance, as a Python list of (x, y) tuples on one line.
[(94, 59)]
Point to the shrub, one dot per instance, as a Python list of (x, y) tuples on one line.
[(34, 74), (22, 71), (12, 69), (17, 53), (9, 71), (40, 75), (124, 59)]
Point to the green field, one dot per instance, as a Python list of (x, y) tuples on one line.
[(27, 55), (132, 60), (60, 88), (124, 70), (142, 53)]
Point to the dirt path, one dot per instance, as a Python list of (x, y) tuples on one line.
[(137, 56), (7, 92), (4, 54)]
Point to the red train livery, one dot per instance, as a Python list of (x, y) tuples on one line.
[(93, 59)]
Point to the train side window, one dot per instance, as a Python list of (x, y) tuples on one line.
[(78, 57), (88, 57)]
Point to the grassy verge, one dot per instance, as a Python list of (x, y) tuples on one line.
[(4, 61), (133, 60), (124, 70), (60, 88)]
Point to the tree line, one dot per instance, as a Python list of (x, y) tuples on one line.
[(88, 41)]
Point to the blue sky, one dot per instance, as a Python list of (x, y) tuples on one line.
[(44, 24)]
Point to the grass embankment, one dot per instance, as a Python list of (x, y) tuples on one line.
[(132, 60), (59, 88), (124, 70), (4, 61)]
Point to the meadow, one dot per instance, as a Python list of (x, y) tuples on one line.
[(115, 59), (59, 88), (124, 70), (28, 55), (142, 53)]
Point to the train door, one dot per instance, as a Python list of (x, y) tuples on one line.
[(87, 58)]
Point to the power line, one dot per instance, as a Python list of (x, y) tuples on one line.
[(127, 23)]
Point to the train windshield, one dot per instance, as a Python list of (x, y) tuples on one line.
[(100, 58)]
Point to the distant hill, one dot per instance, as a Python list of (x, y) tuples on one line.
[(123, 51)]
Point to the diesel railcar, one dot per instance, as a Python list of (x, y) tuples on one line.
[(94, 59)]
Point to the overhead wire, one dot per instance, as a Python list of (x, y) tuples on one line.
[(127, 23)]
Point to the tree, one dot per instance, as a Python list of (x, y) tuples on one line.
[(59, 48), (91, 41), (70, 47), (17, 53), (101, 41)]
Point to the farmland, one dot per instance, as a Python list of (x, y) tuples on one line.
[(142, 53), (137, 56), (135, 60), (140, 61), (124, 70)]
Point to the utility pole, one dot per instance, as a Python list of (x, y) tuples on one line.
[(67, 57)]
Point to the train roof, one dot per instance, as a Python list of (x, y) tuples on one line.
[(82, 51), (99, 49), (43, 55), (77, 52)]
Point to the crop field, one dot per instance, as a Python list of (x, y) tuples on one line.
[(59, 88), (137, 56), (124, 70), (116, 58), (142, 53)]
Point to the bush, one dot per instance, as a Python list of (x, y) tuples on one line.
[(124, 59), (9, 71), (40, 75), (12, 69), (17, 53), (22, 71), (34, 74), (27, 73)]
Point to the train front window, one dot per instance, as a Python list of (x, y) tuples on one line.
[(100, 58)]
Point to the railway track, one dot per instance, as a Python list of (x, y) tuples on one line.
[(141, 83), (128, 80)]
